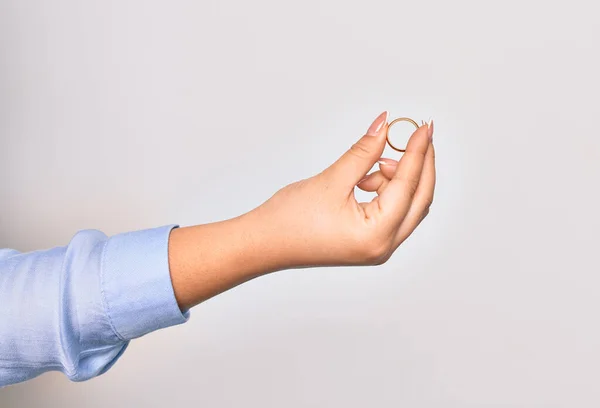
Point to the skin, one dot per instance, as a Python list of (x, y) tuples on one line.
[(313, 222)]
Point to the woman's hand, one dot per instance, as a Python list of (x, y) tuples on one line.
[(318, 221), (313, 222)]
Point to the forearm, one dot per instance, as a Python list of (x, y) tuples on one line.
[(206, 260)]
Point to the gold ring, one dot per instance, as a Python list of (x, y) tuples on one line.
[(387, 135)]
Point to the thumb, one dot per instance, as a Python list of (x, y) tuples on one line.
[(360, 158)]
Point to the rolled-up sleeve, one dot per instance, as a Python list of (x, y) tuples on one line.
[(75, 308)]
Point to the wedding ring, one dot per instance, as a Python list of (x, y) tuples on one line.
[(387, 136)]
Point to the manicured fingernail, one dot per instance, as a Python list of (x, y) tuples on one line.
[(386, 162), (430, 129), (377, 124)]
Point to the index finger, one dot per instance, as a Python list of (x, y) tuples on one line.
[(396, 199)]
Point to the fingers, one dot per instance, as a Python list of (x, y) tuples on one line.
[(396, 199), (374, 182), (422, 200), (378, 181), (388, 167), (349, 169)]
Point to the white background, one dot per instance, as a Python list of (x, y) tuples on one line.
[(123, 115)]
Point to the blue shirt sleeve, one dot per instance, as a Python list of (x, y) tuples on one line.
[(75, 308)]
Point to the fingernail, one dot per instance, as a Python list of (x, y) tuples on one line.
[(430, 129), (386, 162), (363, 179), (377, 124)]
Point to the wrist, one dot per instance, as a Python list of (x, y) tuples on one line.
[(205, 260), (263, 247)]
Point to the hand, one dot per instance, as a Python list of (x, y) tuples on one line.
[(313, 222), (319, 222)]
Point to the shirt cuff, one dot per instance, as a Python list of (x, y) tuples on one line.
[(136, 283)]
